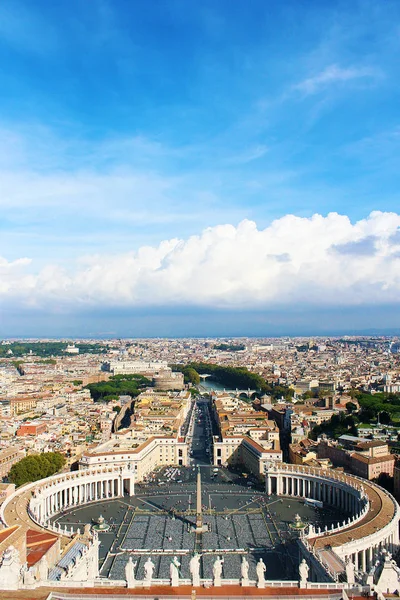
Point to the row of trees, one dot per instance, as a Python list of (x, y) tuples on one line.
[(386, 405), (35, 467), (118, 385), (230, 347), (47, 349), (232, 377), (381, 406)]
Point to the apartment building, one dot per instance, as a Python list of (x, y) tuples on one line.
[(246, 436), (8, 458), (22, 405), (155, 452), (366, 459)]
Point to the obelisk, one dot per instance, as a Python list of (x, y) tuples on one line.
[(199, 510)]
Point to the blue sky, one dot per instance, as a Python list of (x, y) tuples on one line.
[(140, 141)]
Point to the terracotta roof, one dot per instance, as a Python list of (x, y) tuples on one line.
[(5, 533), (37, 544), (373, 460)]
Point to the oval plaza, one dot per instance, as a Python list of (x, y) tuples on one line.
[(200, 526)]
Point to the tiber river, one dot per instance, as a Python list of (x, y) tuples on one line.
[(213, 385)]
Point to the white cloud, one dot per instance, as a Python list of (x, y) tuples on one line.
[(334, 74), (327, 261)]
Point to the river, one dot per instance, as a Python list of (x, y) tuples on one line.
[(214, 385)]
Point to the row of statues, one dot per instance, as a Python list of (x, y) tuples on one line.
[(194, 568)]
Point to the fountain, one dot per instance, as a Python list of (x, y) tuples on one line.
[(100, 524), (297, 526)]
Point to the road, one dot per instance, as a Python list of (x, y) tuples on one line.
[(200, 435)]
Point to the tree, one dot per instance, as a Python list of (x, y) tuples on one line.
[(367, 414), (386, 481), (351, 407), (191, 375), (35, 467), (384, 417)]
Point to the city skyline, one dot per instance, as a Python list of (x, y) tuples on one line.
[(178, 169)]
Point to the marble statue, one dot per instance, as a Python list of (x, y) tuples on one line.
[(304, 570), (29, 576), (386, 578), (130, 572), (350, 570), (174, 571), (217, 571), (10, 569), (260, 570), (148, 571), (245, 571), (43, 568), (194, 567)]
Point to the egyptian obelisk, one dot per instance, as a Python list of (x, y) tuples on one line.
[(199, 510)]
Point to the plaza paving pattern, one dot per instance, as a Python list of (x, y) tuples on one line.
[(241, 521)]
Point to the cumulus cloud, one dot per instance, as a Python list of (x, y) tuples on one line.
[(326, 261)]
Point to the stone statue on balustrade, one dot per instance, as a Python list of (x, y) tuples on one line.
[(260, 570), (217, 571), (194, 567), (10, 569), (245, 571), (43, 568), (174, 571), (29, 578), (350, 570), (304, 571), (130, 573), (148, 571)]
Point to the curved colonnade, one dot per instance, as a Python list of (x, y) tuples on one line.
[(371, 514), (36, 503)]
